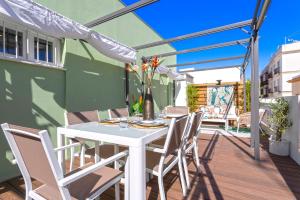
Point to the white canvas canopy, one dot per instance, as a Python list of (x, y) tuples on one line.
[(167, 71), (46, 21)]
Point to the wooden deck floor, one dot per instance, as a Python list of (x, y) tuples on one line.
[(228, 172)]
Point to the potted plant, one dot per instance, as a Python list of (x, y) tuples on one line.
[(280, 123), (192, 94)]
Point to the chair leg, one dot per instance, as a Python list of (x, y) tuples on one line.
[(197, 157), (117, 191), (181, 174), (161, 187), (97, 152), (82, 155), (186, 172), (72, 156)]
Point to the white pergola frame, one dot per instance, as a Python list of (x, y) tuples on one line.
[(251, 54)]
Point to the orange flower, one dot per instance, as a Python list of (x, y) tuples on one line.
[(155, 62), (140, 99), (145, 67)]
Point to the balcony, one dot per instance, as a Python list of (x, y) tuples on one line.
[(270, 75), (276, 71), (263, 83), (270, 91)]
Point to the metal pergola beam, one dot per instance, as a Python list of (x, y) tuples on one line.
[(209, 68), (207, 61), (262, 14), (214, 46), (119, 13), (197, 34)]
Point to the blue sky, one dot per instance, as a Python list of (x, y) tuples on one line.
[(173, 18)]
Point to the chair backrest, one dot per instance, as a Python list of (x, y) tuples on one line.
[(118, 113), (175, 134), (31, 155), (81, 117), (196, 125), (182, 110)]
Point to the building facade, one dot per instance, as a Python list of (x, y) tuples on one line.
[(42, 77), (283, 66)]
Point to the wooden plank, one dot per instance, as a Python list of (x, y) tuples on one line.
[(228, 171)]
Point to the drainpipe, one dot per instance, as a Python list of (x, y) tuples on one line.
[(126, 85)]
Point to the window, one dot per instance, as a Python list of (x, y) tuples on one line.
[(17, 42), (11, 42), (43, 50)]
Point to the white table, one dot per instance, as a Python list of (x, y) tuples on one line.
[(135, 138)]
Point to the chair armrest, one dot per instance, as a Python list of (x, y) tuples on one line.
[(67, 146), (74, 177), (155, 149)]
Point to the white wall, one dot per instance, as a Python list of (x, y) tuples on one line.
[(180, 91), (293, 133), (211, 76)]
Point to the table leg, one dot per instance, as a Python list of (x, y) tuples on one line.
[(226, 125), (126, 183), (61, 154), (137, 171)]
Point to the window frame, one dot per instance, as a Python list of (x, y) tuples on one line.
[(28, 36), (7, 25)]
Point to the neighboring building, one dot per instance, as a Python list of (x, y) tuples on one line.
[(284, 65), (295, 85), (211, 76)]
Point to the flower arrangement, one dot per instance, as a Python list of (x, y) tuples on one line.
[(149, 67)]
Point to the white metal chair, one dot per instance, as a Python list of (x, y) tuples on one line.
[(244, 119), (160, 160), (180, 110), (191, 143), (37, 159), (118, 113), (99, 151)]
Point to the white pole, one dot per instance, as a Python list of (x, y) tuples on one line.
[(255, 98), (245, 96)]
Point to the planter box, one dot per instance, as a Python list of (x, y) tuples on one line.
[(281, 148)]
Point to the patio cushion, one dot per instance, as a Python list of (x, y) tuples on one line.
[(152, 160), (83, 187)]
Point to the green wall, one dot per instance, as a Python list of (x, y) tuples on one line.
[(36, 96)]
